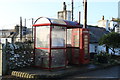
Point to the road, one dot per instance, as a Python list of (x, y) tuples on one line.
[(111, 73)]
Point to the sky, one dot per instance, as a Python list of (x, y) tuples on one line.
[(12, 10)]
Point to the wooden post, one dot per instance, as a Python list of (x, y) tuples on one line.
[(72, 11), (85, 14)]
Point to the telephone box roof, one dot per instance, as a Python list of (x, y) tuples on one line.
[(44, 21)]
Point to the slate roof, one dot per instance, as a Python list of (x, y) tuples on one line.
[(96, 33)]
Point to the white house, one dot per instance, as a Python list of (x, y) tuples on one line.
[(4, 34), (107, 26), (95, 34), (104, 23), (114, 25)]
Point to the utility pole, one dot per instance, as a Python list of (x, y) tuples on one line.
[(72, 11), (85, 14), (21, 29)]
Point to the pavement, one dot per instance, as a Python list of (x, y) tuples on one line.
[(37, 73)]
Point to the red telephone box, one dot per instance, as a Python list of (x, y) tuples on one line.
[(79, 46), (84, 46)]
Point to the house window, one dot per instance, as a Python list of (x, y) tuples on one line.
[(95, 48)]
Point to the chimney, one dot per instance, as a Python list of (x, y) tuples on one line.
[(17, 29), (103, 17), (64, 6)]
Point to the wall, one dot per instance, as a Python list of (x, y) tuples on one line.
[(95, 48), (18, 55), (101, 48), (3, 40), (104, 24), (66, 15)]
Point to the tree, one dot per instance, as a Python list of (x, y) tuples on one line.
[(111, 40), (116, 20)]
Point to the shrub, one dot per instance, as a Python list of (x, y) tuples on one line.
[(102, 57)]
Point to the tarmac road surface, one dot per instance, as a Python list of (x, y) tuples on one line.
[(111, 73)]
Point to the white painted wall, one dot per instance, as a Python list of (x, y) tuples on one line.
[(104, 24), (101, 48), (3, 40), (117, 51), (97, 49), (93, 48), (112, 24)]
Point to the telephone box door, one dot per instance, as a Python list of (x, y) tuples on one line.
[(75, 46)]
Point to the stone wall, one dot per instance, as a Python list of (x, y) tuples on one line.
[(18, 55)]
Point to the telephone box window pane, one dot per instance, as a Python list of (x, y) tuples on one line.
[(42, 36), (41, 58), (86, 43), (75, 38), (69, 37), (58, 58), (86, 46), (58, 36), (86, 39)]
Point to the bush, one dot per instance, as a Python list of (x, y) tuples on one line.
[(102, 57)]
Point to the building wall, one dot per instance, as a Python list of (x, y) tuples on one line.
[(93, 48), (96, 48), (3, 40), (5, 33), (117, 28), (66, 15), (112, 24), (104, 24)]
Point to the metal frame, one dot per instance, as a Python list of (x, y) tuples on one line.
[(50, 47)]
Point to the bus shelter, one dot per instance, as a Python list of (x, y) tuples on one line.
[(51, 43)]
